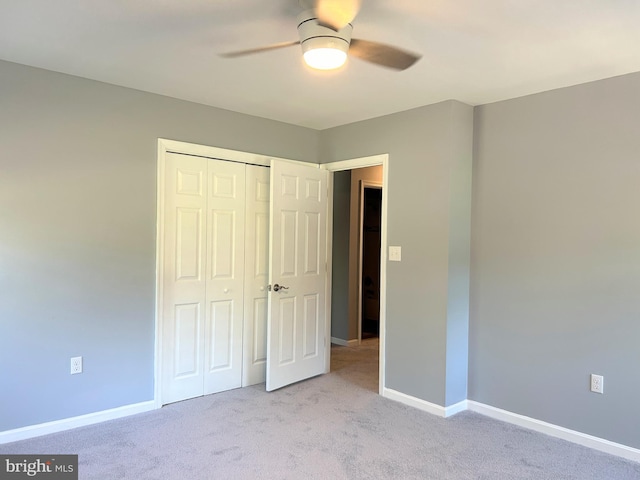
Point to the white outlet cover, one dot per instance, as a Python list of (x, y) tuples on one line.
[(597, 383), (76, 365), (395, 254)]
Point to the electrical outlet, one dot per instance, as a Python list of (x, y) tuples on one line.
[(597, 383), (395, 254), (76, 365)]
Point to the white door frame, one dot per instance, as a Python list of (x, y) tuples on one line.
[(172, 146), (363, 184), (382, 159)]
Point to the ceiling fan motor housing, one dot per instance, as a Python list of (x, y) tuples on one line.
[(314, 36)]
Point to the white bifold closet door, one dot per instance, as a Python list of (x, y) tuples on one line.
[(226, 236), (207, 204)]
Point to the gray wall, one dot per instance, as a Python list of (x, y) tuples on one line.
[(340, 262), (555, 244), (425, 152), (555, 286), (77, 223)]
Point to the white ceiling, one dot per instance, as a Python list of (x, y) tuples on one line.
[(475, 51)]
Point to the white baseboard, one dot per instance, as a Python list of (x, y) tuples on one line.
[(344, 343), (580, 438), (423, 405), (556, 431), (574, 436), (456, 408), (74, 422)]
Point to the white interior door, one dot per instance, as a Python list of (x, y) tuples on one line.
[(225, 276), (296, 329), (184, 277), (256, 275)]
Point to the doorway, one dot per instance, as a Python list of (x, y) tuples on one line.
[(345, 274)]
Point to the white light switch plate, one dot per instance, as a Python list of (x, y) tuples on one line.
[(395, 254)]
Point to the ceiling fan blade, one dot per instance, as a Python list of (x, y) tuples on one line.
[(250, 51), (336, 14), (381, 54)]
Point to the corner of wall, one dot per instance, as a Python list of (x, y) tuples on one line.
[(460, 184)]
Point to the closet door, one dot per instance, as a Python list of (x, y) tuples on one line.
[(256, 275), (297, 342), (184, 290), (203, 281), (224, 276)]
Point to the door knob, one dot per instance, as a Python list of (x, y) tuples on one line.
[(277, 288), (226, 290)]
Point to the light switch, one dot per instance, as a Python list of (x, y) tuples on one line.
[(395, 254)]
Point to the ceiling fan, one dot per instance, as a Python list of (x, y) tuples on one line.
[(325, 38)]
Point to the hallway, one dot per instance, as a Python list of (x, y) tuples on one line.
[(358, 365)]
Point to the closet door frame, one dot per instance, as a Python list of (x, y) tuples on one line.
[(172, 146)]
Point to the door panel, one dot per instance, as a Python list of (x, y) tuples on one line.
[(184, 281), (259, 333), (221, 331), (311, 324), (287, 328), (188, 246), (225, 276), (288, 244), (187, 341), (223, 243), (296, 327), (312, 243), (256, 275)]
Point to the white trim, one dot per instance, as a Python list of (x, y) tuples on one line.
[(352, 163), (75, 422), (546, 428), (414, 402), (573, 436), (344, 343), (381, 159), (157, 364), (328, 268), (456, 408), (221, 153), (383, 273), (423, 405)]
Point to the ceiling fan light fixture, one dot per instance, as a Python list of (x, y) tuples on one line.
[(327, 41), (322, 48), (323, 56)]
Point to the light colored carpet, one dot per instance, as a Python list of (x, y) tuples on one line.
[(330, 427)]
